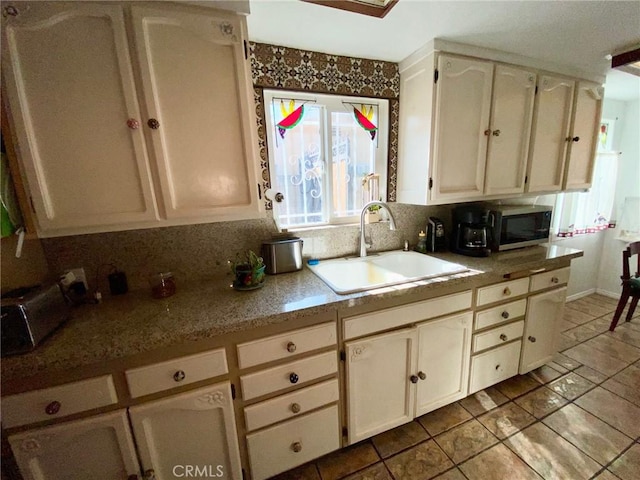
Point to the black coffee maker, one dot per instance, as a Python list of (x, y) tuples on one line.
[(471, 231)]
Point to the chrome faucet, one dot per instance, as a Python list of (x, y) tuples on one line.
[(392, 224)]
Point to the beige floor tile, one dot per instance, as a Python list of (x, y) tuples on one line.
[(605, 475), (610, 301), (616, 411), (581, 333), (629, 376), (574, 316), (590, 434), (553, 457), (591, 374), (374, 472), (627, 335), (444, 418), (601, 324), (541, 402), (305, 472), (465, 440), (516, 386), (498, 463), (483, 401), (453, 474), (596, 359), (398, 439), (566, 362), (544, 374), (601, 304), (424, 461), (631, 394), (565, 342), (558, 367), (591, 308), (615, 348), (566, 325), (506, 420), (572, 385), (627, 467), (346, 461)]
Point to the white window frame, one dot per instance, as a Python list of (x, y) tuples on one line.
[(332, 103)]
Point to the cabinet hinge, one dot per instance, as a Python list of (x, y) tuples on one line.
[(435, 76), (246, 50), (233, 391), (430, 183), (259, 192), (345, 431), (343, 356)]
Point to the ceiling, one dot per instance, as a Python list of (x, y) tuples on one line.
[(576, 33)]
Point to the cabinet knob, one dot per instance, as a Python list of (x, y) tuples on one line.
[(422, 375), (555, 279), (575, 139), (296, 446), (487, 132), (149, 475), (10, 11), (179, 376), (52, 408), (414, 379), (507, 291), (532, 339), (505, 314), (496, 133), (497, 367), (153, 123), (133, 124), (291, 347), (293, 378), (503, 337), (295, 407)]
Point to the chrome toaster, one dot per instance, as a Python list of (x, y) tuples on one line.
[(282, 255)]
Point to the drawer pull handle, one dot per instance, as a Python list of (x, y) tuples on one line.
[(414, 379), (507, 291), (179, 376), (293, 378), (497, 367), (291, 347), (422, 375), (555, 279), (295, 407), (505, 314), (52, 408), (503, 337), (296, 447), (153, 124), (532, 339)]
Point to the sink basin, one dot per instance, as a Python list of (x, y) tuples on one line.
[(356, 274)]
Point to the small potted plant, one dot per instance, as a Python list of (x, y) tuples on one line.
[(248, 269)]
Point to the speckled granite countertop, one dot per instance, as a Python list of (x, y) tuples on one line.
[(136, 323)]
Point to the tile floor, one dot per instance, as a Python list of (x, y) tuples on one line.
[(576, 418)]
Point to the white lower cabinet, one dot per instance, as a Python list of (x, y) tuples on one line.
[(394, 377), (193, 429), (99, 448), (544, 313), (493, 366)]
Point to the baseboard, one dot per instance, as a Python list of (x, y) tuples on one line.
[(576, 296), (607, 293)]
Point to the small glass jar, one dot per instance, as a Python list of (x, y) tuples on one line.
[(163, 285)]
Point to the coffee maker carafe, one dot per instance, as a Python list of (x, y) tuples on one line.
[(471, 231)]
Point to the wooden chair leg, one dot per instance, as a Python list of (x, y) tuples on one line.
[(621, 304), (632, 307)]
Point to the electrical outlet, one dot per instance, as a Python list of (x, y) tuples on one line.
[(75, 275)]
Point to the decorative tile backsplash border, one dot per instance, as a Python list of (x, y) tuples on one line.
[(293, 69)]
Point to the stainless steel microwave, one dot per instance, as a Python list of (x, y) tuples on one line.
[(516, 226)]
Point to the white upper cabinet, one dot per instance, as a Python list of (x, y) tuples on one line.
[(462, 107), (550, 134), (510, 129), (584, 136), (71, 91), (100, 154), (196, 87)]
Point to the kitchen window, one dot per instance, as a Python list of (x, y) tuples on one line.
[(327, 156)]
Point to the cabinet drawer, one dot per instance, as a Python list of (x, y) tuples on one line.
[(293, 443), (549, 279), (174, 373), (291, 405), (494, 366), (283, 376), (497, 336), (286, 345), (502, 291), (55, 402), (499, 314)]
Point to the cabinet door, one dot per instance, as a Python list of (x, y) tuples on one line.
[(196, 88), (194, 428), (544, 313), (99, 448), (511, 115), (584, 136), (71, 91), (380, 394), (550, 132), (463, 100), (444, 349)]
